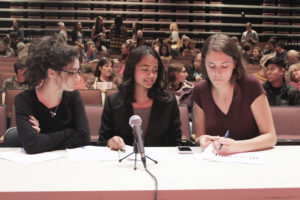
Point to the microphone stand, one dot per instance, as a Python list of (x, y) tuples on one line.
[(136, 151)]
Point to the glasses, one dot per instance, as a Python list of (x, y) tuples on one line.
[(72, 73)]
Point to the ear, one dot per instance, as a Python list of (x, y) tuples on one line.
[(282, 70), (19, 71), (51, 72)]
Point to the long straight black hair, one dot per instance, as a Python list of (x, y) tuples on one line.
[(127, 87)]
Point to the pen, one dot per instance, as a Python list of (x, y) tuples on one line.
[(226, 136), (119, 153)]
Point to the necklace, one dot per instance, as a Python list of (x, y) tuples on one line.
[(53, 113)]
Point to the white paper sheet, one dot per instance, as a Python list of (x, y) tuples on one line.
[(248, 158), (21, 157), (94, 154)]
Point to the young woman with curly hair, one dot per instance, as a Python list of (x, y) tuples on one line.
[(51, 115)]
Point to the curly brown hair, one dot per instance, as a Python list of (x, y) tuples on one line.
[(47, 52)]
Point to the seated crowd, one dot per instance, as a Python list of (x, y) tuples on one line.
[(151, 81)]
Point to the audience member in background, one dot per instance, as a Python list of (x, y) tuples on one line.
[(230, 100), (51, 114), (280, 51), (24, 52), (13, 42), (185, 40), (17, 81), (292, 57), (62, 32), (178, 85), (98, 30), (103, 73), (294, 75), (174, 37), (270, 48), (194, 70), (197, 66), (89, 52), (5, 50), (164, 53), (278, 90), (256, 56), (158, 43), (136, 32), (249, 35), (140, 42), (191, 50), (77, 35), (237, 43), (172, 52), (261, 75), (84, 67), (247, 50), (20, 47), (118, 35), (100, 47), (18, 28), (125, 51), (142, 92)]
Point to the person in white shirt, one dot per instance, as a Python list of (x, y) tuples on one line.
[(249, 35), (62, 32)]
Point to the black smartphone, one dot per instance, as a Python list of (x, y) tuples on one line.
[(184, 149)]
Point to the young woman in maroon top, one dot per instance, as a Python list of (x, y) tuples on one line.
[(229, 100)]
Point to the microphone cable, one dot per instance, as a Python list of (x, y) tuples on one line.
[(155, 182), (103, 140)]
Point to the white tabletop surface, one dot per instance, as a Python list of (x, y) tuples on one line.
[(185, 175)]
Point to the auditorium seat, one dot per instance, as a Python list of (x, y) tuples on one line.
[(286, 122), (67, 15), (117, 67), (8, 59), (34, 6), (99, 7), (6, 64), (110, 91), (12, 120), (185, 124), (6, 69), (92, 97), (10, 100), (3, 120), (94, 113), (5, 75), (86, 76)]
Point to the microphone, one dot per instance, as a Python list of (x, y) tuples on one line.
[(135, 122)]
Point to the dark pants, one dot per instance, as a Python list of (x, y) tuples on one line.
[(11, 138)]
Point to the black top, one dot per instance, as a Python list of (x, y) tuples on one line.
[(286, 95), (67, 129), (164, 126)]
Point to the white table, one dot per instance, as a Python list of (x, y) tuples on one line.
[(183, 178)]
